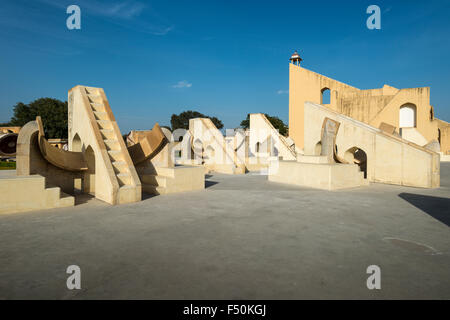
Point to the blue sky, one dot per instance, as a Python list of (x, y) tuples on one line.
[(222, 58)]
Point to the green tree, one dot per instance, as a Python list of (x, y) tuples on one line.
[(275, 121), (182, 120), (52, 111)]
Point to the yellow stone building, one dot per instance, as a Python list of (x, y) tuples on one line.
[(408, 110)]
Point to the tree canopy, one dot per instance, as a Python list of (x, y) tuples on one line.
[(275, 121), (52, 111), (182, 120)]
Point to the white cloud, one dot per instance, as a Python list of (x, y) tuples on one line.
[(182, 84), (282, 91), (163, 31), (125, 10)]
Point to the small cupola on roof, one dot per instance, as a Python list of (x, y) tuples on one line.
[(295, 58)]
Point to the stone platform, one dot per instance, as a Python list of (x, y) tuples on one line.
[(318, 175)]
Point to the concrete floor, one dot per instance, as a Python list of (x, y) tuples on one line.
[(241, 238)]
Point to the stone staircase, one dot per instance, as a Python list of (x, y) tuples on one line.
[(38, 195), (59, 199), (274, 132), (111, 140)]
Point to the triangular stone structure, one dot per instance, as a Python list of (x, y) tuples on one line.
[(93, 130)]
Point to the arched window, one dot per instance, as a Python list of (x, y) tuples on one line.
[(76, 143), (325, 96), (257, 146), (431, 113), (407, 116)]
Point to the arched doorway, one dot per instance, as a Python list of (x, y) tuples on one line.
[(407, 116), (89, 174), (357, 156)]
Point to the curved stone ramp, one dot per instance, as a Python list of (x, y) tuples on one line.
[(67, 160), (148, 146), (8, 144)]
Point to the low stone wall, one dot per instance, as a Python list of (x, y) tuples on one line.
[(314, 175)]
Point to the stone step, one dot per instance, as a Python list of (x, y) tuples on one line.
[(151, 189), (66, 200), (112, 144), (120, 166), (91, 91), (104, 124), (155, 180), (107, 134), (124, 178), (95, 98), (115, 155), (97, 106), (100, 115), (53, 194), (126, 192)]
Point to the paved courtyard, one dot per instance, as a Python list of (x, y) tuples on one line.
[(241, 238)]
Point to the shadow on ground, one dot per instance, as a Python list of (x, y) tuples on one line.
[(146, 195), (209, 183), (81, 198), (437, 207)]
